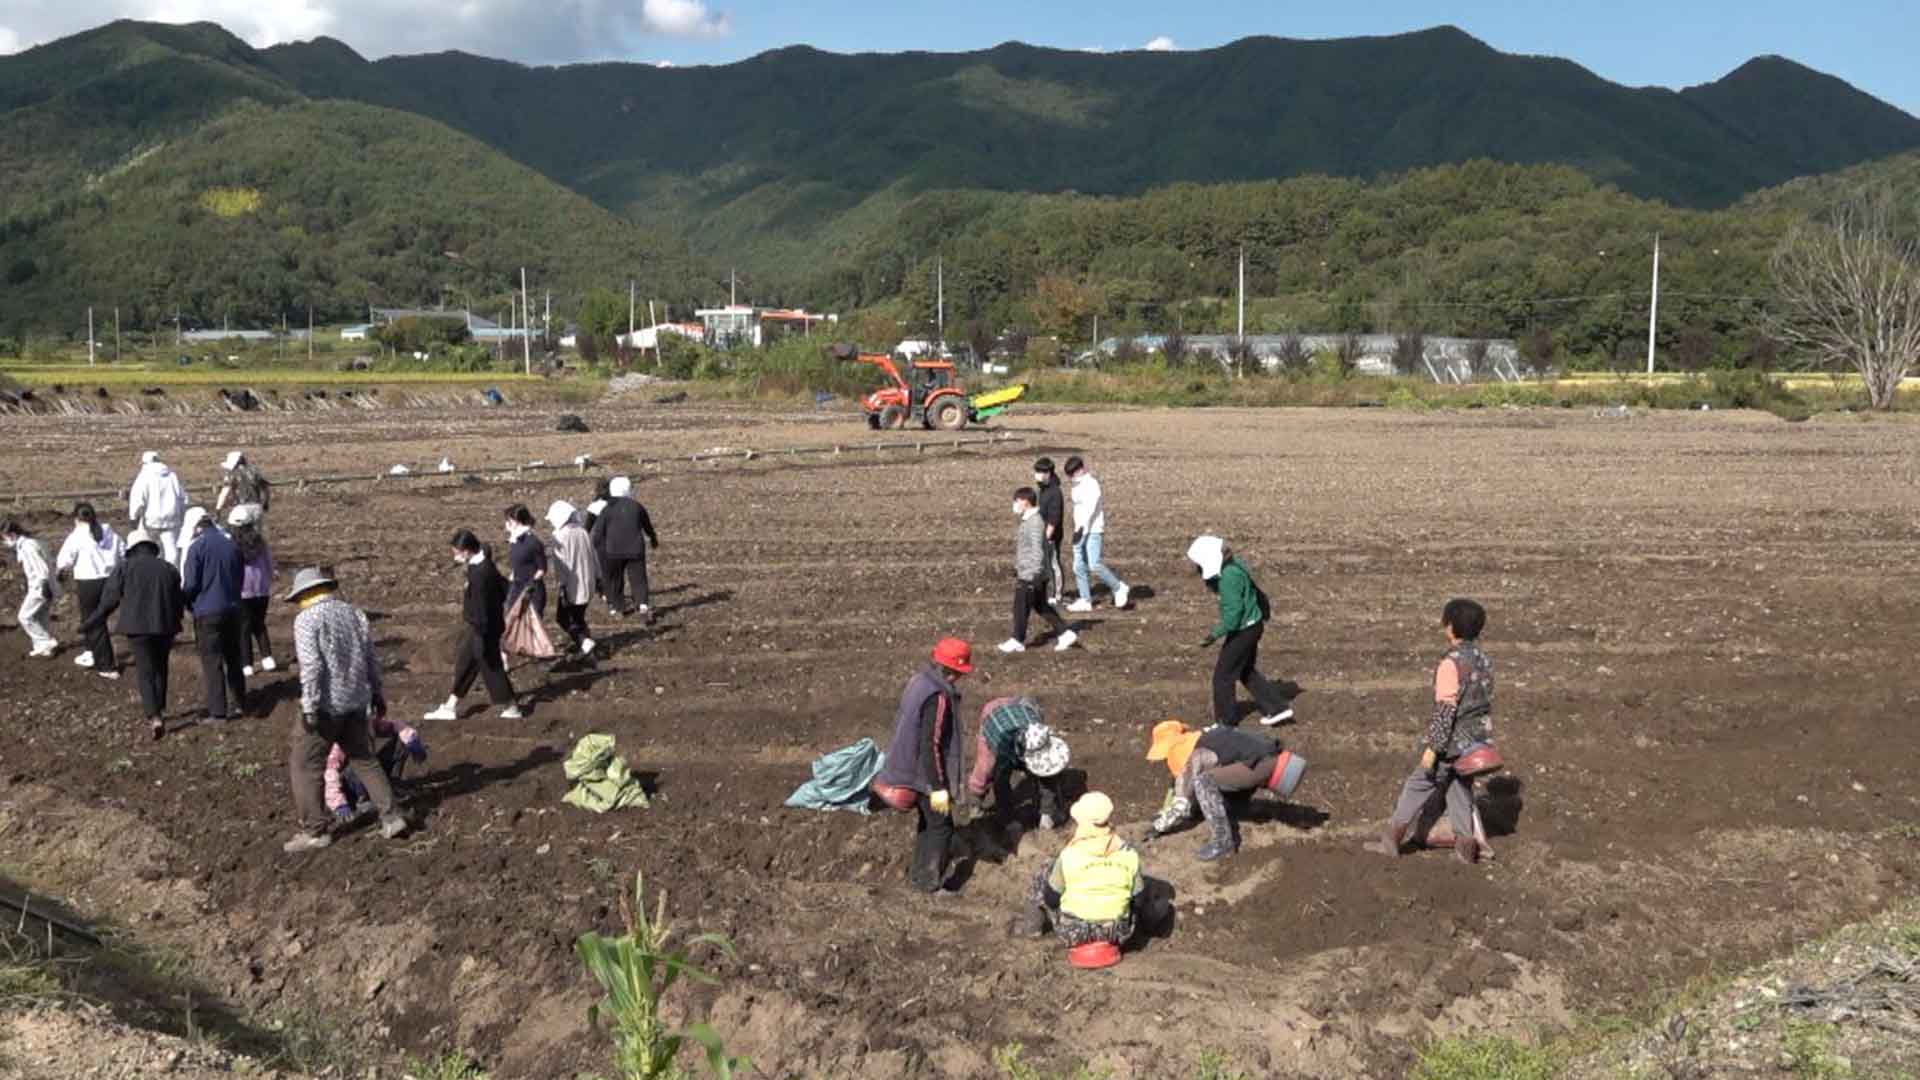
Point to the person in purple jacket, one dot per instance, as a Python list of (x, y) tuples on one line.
[(256, 585)]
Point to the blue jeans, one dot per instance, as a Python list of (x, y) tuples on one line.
[(1086, 559)]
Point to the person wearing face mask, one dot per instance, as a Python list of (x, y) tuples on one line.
[(1244, 611), (623, 532), (39, 597), (90, 554), (526, 562), (1053, 514), (576, 574), (1030, 577), (484, 609)]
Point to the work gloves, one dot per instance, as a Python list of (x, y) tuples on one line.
[(1172, 814), (344, 812), (415, 747), (941, 802)]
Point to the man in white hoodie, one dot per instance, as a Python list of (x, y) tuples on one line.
[(157, 502), (1089, 532), (39, 594)]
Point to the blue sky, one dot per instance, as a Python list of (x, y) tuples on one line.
[(1869, 43)]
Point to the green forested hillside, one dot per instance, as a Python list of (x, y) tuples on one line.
[(268, 209)]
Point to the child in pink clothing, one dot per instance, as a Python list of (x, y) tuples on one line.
[(390, 740)]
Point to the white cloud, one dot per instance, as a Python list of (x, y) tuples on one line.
[(1163, 43), (532, 31)]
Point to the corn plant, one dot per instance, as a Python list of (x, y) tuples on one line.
[(636, 970)]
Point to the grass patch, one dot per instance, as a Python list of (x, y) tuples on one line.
[(1010, 1061), (1808, 1047), (452, 1065), (1487, 1057)]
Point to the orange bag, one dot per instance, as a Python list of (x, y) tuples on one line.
[(525, 634)]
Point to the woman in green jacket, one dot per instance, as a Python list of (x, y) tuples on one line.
[(1243, 616)]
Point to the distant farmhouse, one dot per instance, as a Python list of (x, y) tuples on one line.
[(1447, 359), (480, 327)]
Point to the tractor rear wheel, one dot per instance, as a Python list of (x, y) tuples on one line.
[(948, 415), (873, 421), (893, 417)]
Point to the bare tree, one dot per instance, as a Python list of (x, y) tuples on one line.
[(1174, 349), (1346, 353), (1290, 356), (1410, 352), (1479, 364), (1850, 294)]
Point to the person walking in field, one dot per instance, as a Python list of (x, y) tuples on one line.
[(1030, 577), (1244, 611), (38, 600), (244, 486), (575, 569), (483, 608), (526, 562), (145, 589), (924, 757), (157, 503), (1089, 538), (1053, 514), (623, 532), (1461, 721), (210, 583), (340, 698), (91, 553), (256, 588)]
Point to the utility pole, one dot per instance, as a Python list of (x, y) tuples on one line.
[(632, 304), (526, 344), (655, 325), (1653, 312), (940, 301), (309, 333), (116, 333), (733, 288), (283, 337), (1240, 326), (89, 337)]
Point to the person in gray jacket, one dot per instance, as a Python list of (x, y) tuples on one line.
[(1030, 562)]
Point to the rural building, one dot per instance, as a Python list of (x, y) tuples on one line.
[(648, 337), (205, 336), (356, 333), (738, 324), (1448, 359)]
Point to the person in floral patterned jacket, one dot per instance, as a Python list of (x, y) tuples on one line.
[(1462, 716)]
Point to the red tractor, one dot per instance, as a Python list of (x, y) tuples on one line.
[(930, 396)]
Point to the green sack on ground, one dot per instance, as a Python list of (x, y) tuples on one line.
[(601, 779)]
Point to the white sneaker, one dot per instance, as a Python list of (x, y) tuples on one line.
[(1120, 596), (586, 647), (110, 676), (247, 671), (1280, 717), (444, 712), (1066, 641), (44, 651), (85, 659), (511, 712), (268, 665), (1012, 646), (306, 842), (1081, 605)]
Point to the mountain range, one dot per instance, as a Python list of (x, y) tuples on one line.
[(784, 163)]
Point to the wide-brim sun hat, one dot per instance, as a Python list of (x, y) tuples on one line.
[(308, 579), (244, 514), (1165, 734), (1044, 753)]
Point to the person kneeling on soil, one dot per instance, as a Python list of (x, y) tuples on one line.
[(1244, 611), (1462, 717), (340, 698), (393, 745), (1210, 765), (1012, 737), (925, 758), (1092, 890)]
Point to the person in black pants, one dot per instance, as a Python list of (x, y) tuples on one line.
[(1244, 611), (145, 589), (526, 561), (1053, 510), (484, 607), (91, 553), (210, 583), (622, 533)]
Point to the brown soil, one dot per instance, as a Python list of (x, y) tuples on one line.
[(1699, 624)]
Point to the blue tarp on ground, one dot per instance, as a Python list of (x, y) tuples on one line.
[(840, 779)]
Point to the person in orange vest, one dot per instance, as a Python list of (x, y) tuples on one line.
[(1210, 764), (1092, 890)]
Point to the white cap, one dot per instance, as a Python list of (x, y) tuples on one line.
[(148, 457), (619, 486), (1207, 552), (233, 459), (244, 514), (559, 513)]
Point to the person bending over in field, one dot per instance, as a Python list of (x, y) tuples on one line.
[(1011, 737), (483, 606), (394, 744), (1209, 767), (1462, 718)]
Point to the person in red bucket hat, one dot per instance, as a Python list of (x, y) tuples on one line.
[(925, 758), (1461, 727)]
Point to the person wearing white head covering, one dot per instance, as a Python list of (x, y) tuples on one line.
[(623, 532), (1092, 889), (575, 570), (1244, 611), (156, 502), (244, 485)]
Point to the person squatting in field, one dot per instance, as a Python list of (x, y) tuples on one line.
[(1012, 737), (145, 589), (256, 587), (340, 698), (925, 757), (1093, 890), (1244, 611), (1462, 718), (1030, 583), (90, 554), (38, 598), (393, 743), (483, 610), (623, 532), (1208, 767), (576, 574), (211, 575), (1089, 538)]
